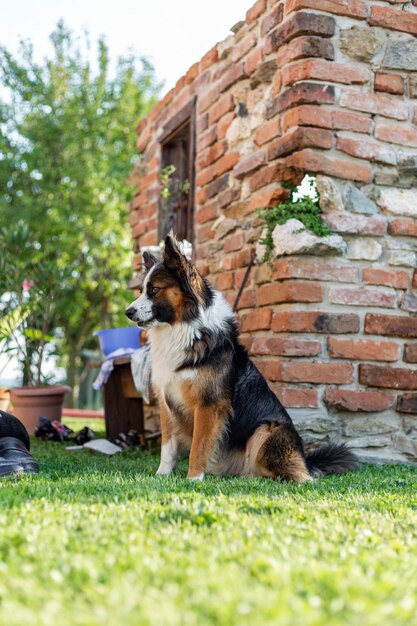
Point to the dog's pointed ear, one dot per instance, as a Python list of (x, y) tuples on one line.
[(149, 260), (173, 257)]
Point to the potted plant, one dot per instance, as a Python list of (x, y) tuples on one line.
[(29, 288)]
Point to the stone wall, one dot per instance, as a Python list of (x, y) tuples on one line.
[(327, 87)]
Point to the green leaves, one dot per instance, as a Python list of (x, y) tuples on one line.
[(303, 205), (67, 146)]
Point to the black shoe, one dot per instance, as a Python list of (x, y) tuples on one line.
[(13, 451), (10, 426), (15, 458)]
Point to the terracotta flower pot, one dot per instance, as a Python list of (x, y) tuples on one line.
[(29, 403), (4, 399)]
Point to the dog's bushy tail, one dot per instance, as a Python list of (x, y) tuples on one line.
[(331, 458)]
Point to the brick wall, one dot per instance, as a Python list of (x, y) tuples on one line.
[(327, 87)]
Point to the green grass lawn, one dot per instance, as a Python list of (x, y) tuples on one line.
[(98, 540)]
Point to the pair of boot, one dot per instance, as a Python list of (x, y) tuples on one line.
[(15, 457)]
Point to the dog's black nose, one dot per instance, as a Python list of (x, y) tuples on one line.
[(130, 312)]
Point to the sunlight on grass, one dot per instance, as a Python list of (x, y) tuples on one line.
[(98, 540)]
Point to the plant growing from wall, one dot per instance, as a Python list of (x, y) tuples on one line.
[(303, 205), (171, 188)]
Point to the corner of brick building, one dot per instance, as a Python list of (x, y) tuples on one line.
[(327, 87)]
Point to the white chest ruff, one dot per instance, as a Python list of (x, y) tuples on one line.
[(168, 350)]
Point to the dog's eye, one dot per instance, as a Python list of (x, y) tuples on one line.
[(153, 290)]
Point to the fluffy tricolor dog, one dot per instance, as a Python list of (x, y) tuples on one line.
[(213, 401)]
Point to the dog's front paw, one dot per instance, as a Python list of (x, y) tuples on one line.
[(163, 470), (195, 476)]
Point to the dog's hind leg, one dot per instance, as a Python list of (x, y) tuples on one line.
[(282, 455), (169, 447)]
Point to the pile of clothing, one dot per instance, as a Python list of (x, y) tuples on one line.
[(55, 431)]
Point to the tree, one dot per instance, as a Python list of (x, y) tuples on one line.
[(67, 145)]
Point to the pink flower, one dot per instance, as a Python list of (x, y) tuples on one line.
[(27, 284)]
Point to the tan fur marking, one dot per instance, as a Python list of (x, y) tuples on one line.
[(164, 418), (174, 296), (208, 425)]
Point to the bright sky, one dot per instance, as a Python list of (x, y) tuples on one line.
[(173, 34)]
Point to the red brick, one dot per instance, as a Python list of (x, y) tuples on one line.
[(384, 376), (301, 23), (306, 372), (211, 155), (289, 291), (394, 19), (191, 74), (224, 281), (390, 325), (312, 115), (414, 280), (374, 103), (296, 398), (206, 213), (272, 19), (368, 150), (314, 270), (285, 347), (227, 197), (407, 228), (267, 197), (355, 122), (255, 11), (363, 349), (238, 259), (389, 83), (407, 403), (201, 124), (364, 296), (356, 224), (209, 59), (351, 8), (267, 131), (305, 47), (256, 320), (265, 176), (240, 49), (396, 134), (209, 97), (309, 160), (250, 163), (253, 60), (366, 401), (218, 185), (234, 242), (235, 73), (410, 352), (246, 300), (149, 239), (222, 106), (301, 93), (320, 69), (224, 123), (388, 278), (315, 322), (298, 138), (206, 139)]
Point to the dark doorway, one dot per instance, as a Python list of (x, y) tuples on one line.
[(178, 151)]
